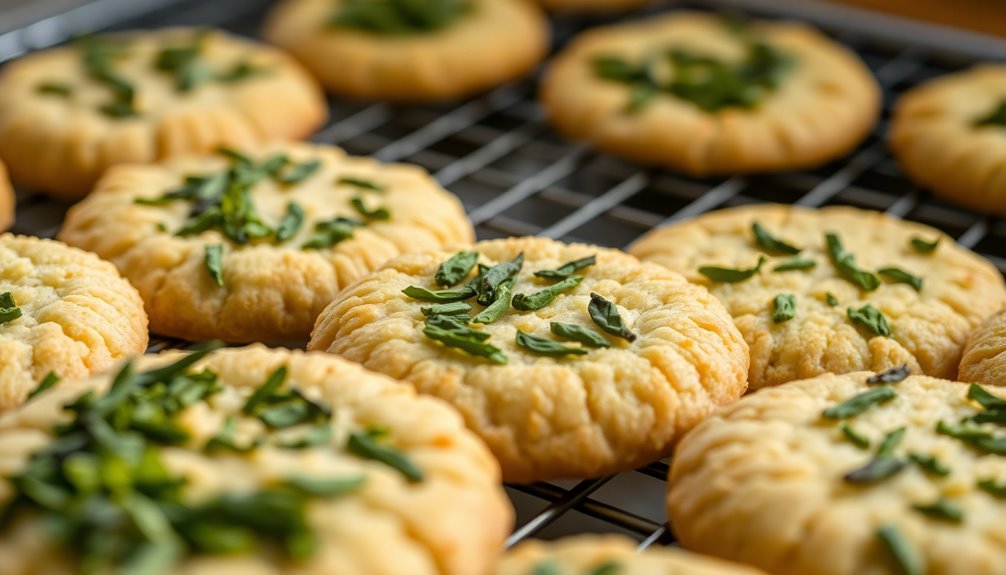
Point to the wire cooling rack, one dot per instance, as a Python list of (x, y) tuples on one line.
[(516, 177)]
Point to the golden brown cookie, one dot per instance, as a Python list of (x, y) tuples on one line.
[(609, 555), (949, 134), (840, 476), (68, 113), (252, 247), (418, 50), (62, 311), (6, 199), (595, 365), (877, 295), (690, 92), (984, 359), (246, 462)]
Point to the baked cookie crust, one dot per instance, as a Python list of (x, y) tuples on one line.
[(928, 327), (825, 100), (947, 137), (75, 315), (491, 43), (984, 359), (590, 553), (68, 113), (266, 290), (6, 199), (774, 482), (450, 521), (545, 417)]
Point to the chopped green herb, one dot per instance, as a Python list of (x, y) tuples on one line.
[(607, 568), (794, 264), (299, 172), (770, 244), (324, 487), (441, 296), (367, 446), (993, 488), (831, 299), (455, 308), (924, 246), (542, 298), (995, 117), (930, 464), (359, 183), (494, 276), (871, 319), (380, 213), (905, 558), (731, 275), (330, 232), (456, 268), (318, 434), (943, 510), (855, 437), (567, 269), (184, 64), (398, 17), (226, 439), (605, 314), (214, 260), (579, 333), (859, 403), (241, 71), (979, 438), (893, 375), (498, 307), (464, 338), (542, 346), (546, 567), (883, 465), (897, 275), (845, 263), (9, 311), (47, 383), (783, 307), (54, 89), (978, 394), (291, 223)]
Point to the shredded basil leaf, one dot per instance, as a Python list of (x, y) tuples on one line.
[(492, 278), (541, 298), (567, 269), (871, 319), (897, 275), (579, 333), (9, 310), (731, 275), (398, 17), (367, 446), (299, 172), (924, 246), (883, 465), (542, 346), (456, 268), (995, 117), (455, 308), (993, 488), (498, 307), (328, 233), (794, 264), (930, 464), (54, 89), (46, 384), (860, 403), (464, 338), (783, 307), (845, 263), (905, 558), (379, 213), (291, 223), (770, 244), (941, 509), (831, 299), (214, 260), (978, 438), (359, 183), (605, 314), (854, 437), (442, 296)]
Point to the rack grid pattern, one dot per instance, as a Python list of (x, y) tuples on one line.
[(517, 177)]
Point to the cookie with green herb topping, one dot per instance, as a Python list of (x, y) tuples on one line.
[(873, 292), (609, 555), (848, 475), (6, 199), (592, 7), (411, 50), (245, 461), (68, 113), (569, 360), (64, 314), (251, 246), (949, 134), (701, 95)]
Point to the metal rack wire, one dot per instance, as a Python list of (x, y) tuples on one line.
[(516, 177)]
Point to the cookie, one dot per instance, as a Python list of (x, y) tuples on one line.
[(248, 461), (949, 134), (252, 247), (423, 50), (570, 361), (68, 113), (984, 359), (63, 312), (848, 475), (698, 94), (609, 555), (598, 7), (880, 293), (6, 199)]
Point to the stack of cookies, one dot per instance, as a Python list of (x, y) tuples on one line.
[(798, 364)]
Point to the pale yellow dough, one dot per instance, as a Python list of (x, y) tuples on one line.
[(6, 199), (271, 293), (61, 145), (761, 482), (451, 523), (77, 315), (582, 554), (544, 417), (936, 143), (929, 328), (495, 42), (824, 106)]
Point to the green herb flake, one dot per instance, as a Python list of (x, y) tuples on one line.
[(324, 487), (605, 314), (367, 446), (379, 213), (398, 17), (783, 307), (9, 310), (924, 246), (990, 402), (542, 346), (993, 487), (795, 264), (299, 172), (845, 263), (360, 183), (54, 89), (903, 555), (573, 332), (242, 71), (469, 340), (455, 308), (441, 296), (607, 568), (50, 380), (854, 437), (871, 319), (893, 375), (831, 300), (898, 275), (547, 567), (541, 298), (226, 440), (456, 268), (498, 307), (567, 269), (291, 223), (492, 278), (883, 465), (930, 464), (731, 275), (214, 260), (979, 438), (860, 403), (995, 117), (770, 244), (328, 233), (942, 510)]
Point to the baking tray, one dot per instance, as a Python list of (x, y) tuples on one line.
[(517, 177)]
